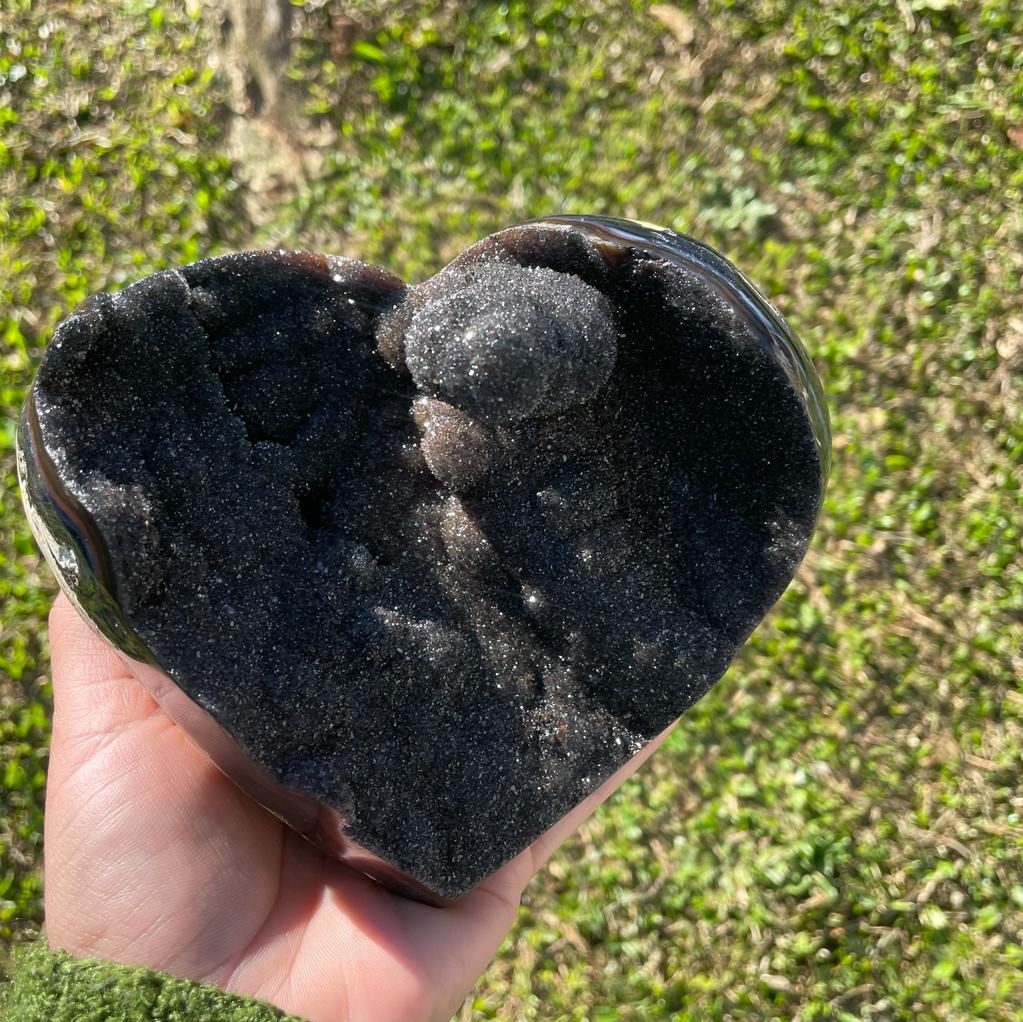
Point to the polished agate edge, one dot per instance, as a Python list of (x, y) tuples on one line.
[(76, 550)]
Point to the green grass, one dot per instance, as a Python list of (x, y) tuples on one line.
[(835, 832)]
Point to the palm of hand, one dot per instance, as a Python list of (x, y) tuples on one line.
[(154, 858)]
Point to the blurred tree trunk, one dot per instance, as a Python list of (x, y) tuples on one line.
[(256, 46), (265, 139)]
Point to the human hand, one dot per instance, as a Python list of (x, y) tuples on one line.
[(155, 858)]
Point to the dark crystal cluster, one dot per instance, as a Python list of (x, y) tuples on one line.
[(441, 557)]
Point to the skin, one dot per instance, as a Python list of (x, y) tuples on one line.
[(155, 858)]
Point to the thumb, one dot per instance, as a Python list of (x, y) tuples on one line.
[(94, 692)]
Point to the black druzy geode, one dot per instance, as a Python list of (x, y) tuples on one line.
[(438, 557)]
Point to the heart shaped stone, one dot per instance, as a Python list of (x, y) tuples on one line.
[(421, 566)]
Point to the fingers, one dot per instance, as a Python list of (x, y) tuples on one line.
[(511, 880), (490, 909), (459, 941), (551, 840)]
